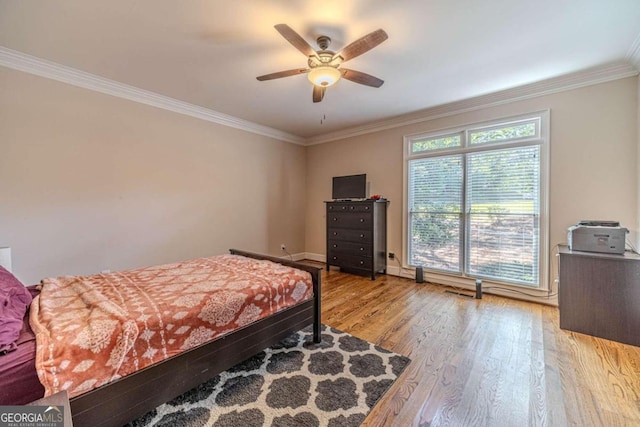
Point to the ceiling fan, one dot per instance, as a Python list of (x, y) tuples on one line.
[(324, 66)]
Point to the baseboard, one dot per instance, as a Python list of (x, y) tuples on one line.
[(467, 284), (315, 257), (407, 273), (295, 257), (500, 289)]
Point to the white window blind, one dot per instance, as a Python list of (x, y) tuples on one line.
[(474, 201), (503, 212), (436, 212)]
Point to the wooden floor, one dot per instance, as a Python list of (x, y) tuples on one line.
[(489, 362)]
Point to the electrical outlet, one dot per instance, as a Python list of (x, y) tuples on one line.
[(392, 255), (283, 247)]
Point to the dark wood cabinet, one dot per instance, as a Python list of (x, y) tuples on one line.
[(357, 236), (599, 295)]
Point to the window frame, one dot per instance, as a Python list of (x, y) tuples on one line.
[(541, 139)]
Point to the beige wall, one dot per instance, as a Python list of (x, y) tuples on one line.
[(637, 228), (593, 171), (91, 182)]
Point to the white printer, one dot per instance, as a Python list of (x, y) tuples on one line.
[(597, 236)]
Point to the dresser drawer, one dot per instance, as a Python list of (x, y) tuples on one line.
[(348, 261), (363, 220), (350, 248), (364, 236), (349, 207)]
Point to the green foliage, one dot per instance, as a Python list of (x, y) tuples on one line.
[(503, 180), (475, 137), (503, 134), (435, 230), (435, 143)]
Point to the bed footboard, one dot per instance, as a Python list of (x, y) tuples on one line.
[(315, 277)]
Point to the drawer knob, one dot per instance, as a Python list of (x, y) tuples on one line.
[(344, 207), (335, 258), (335, 246), (361, 262), (366, 208), (351, 208), (335, 234), (362, 236), (361, 219), (335, 219), (362, 249)]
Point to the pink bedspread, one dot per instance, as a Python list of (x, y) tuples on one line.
[(92, 330)]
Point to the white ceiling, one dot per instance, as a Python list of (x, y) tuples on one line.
[(208, 53)]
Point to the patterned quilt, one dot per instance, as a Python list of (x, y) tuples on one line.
[(91, 330)]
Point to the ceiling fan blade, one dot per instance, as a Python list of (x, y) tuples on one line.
[(281, 74), (318, 93), (296, 40), (362, 45), (360, 77)]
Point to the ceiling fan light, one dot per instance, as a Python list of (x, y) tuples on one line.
[(324, 76)]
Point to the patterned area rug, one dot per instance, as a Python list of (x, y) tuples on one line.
[(295, 383)]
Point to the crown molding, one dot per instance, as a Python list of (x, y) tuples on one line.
[(588, 77), (633, 55), (40, 67), (43, 68)]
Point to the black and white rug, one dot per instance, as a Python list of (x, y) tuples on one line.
[(295, 383)]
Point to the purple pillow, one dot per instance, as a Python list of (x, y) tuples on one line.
[(14, 300)]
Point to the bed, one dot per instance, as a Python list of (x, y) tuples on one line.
[(125, 398)]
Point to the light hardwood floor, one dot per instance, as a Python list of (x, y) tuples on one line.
[(489, 362)]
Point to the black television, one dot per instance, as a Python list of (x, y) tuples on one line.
[(349, 187)]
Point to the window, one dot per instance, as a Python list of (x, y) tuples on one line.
[(476, 201)]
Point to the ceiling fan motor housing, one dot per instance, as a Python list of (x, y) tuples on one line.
[(323, 42)]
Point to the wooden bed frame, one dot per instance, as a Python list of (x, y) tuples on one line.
[(127, 398)]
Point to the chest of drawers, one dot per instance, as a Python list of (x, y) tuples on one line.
[(357, 236)]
